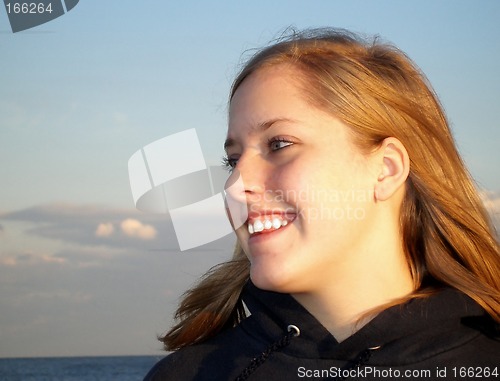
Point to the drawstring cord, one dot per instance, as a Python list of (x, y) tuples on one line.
[(292, 331)]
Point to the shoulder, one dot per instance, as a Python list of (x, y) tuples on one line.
[(445, 329), (216, 359), (466, 333), (484, 347)]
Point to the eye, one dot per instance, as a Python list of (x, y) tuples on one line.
[(229, 163), (276, 144)]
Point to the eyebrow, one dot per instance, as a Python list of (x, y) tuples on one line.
[(259, 128)]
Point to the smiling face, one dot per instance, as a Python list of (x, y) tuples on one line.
[(307, 187)]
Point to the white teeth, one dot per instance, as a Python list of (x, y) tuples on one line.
[(258, 225), (268, 224), (276, 223)]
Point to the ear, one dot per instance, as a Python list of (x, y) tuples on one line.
[(394, 170)]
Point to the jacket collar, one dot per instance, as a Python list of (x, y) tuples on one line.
[(404, 333)]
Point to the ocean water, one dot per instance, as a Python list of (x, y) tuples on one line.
[(122, 368)]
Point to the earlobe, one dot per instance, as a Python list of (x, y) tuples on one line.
[(394, 170)]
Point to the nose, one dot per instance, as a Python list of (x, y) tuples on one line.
[(245, 187), (246, 183)]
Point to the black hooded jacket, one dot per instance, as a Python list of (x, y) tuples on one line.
[(446, 336)]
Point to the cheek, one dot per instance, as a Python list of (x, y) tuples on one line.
[(291, 178), (332, 203)]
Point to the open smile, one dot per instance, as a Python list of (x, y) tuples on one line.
[(268, 223)]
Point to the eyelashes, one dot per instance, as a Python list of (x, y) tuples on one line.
[(278, 143), (274, 144), (228, 163)]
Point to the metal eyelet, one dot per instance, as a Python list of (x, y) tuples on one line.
[(291, 328)]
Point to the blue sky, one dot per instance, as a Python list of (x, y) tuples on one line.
[(81, 94)]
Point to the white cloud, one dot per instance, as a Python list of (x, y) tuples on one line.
[(87, 225), (491, 202), (135, 228), (8, 261), (104, 229), (30, 259), (44, 258)]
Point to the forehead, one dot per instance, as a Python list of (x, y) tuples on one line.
[(269, 93), (269, 76)]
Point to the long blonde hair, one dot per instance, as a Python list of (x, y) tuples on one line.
[(377, 91)]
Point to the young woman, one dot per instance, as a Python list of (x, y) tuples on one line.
[(367, 253)]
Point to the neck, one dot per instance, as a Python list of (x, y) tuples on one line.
[(359, 287)]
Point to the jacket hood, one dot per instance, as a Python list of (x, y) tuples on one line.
[(403, 334), (444, 332)]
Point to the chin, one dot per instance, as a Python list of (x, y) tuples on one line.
[(270, 281)]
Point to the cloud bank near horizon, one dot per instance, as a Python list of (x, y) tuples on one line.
[(82, 276), (118, 268)]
